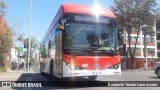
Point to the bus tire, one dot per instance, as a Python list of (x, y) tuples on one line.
[(92, 78), (42, 73), (158, 72), (51, 68)]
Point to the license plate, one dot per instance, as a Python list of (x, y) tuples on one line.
[(85, 73), (97, 73)]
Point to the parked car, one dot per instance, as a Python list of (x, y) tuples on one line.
[(157, 67)]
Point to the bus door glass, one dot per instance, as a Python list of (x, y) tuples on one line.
[(59, 52)]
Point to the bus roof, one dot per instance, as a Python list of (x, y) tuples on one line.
[(74, 8)]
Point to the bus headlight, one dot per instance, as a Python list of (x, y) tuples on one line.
[(72, 67), (71, 64), (115, 66)]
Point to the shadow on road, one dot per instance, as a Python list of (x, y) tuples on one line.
[(49, 83)]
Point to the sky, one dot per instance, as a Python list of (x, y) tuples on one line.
[(43, 12)]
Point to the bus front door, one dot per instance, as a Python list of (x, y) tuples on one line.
[(58, 60)]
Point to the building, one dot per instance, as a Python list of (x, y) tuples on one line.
[(151, 45), (14, 59), (14, 55)]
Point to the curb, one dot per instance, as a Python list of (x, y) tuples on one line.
[(16, 71), (140, 70)]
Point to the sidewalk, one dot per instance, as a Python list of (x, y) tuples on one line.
[(12, 74), (138, 70), (19, 71)]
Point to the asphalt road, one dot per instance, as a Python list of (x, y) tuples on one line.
[(101, 82)]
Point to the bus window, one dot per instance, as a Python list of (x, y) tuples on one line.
[(92, 39), (104, 39)]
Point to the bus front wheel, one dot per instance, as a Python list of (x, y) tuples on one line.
[(92, 78)]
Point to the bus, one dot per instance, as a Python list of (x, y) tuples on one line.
[(81, 43)]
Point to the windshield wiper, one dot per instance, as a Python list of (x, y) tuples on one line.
[(112, 50), (95, 45), (88, 48)]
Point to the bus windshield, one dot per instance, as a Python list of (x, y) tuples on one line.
[(90, 37)]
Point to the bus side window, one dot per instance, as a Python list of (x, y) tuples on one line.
[(49, 48), (43, 54), (52, 45)]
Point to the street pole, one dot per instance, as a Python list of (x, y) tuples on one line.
[(152, 52), (147, 29), (145, 50), (29, 36), (152, 59), (124, 43)]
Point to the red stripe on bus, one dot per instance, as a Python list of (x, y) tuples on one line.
[(102, 61)]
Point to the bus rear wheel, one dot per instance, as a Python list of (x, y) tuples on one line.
[(92, 78), (51, 68)]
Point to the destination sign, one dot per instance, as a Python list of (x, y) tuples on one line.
[(92, 19)]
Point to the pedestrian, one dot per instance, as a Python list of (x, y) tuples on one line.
[(29, 65), (19, 66), (26, 66), (22, 65)]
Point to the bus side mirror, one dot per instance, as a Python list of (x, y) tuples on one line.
[(120, 36), (61, 25)]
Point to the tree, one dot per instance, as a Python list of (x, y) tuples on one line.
[(3, 7), (5, 39), (158, 23), (34, 45), (5, 47), (17, 36), (133, 14)]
